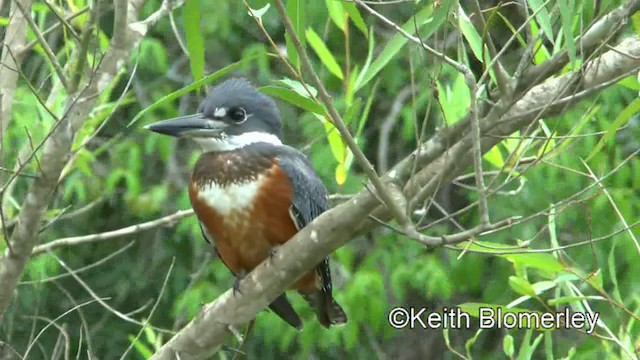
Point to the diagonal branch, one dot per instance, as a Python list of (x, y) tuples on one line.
[(208, 331)]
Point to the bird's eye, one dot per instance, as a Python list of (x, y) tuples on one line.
[(239, 115)]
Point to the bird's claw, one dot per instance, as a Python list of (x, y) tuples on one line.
[(236, 282), (272, 253)]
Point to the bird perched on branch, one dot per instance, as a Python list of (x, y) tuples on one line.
[(251, 192)]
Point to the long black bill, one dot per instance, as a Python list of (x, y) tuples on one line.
[(182, 125)]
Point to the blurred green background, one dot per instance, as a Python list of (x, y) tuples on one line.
[(126, 175)]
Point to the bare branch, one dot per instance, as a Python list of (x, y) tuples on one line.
[(45, 46), (129, 230), (14, 40)]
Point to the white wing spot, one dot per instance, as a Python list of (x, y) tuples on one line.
[(230, 198)]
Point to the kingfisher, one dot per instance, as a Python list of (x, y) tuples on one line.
[(252, 193)]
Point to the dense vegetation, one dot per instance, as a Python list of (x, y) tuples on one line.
[(560, 170)]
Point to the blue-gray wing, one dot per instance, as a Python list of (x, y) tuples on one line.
[(309, 193), (308, 202)]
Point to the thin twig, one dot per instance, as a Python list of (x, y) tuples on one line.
[(129, 230), (45, 46), (388, 200)]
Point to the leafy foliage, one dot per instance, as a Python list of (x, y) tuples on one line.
[(573, 250)]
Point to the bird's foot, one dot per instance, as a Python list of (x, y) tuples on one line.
[(236, 282)]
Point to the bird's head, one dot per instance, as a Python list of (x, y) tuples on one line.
[(233, 115)]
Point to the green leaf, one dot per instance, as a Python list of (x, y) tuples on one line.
[(324, 54), (521, 286), (419, 20), (337, 13), (455, 99), (507, 345), (513, 30), (189, 88), (296, 13), (367, 63), (635, 19), (337, 145), (566, 15), (526, 350), (356, 18), (143, 349), (294, 98), (367, 107), (296, 86), (622, 118), (549, 144), (259, 13), (541, 53), (572, 299), (630, 82), (542, 15), (494, 157), (473, 309), (193, 35), (488, 247), (536, 260), (470, 34)]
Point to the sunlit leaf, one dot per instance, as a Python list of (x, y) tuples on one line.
[(419, 20), (354, 15), (521, 286), (297, 15), (542, 15), (193, 36), (536, 260), (567, 15), (298, 87), (507, 346), (141, 347), (470, 33), (494, 157), (323, 52), (337, 13), (259, 13)]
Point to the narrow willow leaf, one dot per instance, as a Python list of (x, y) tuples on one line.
[(421, 19), (470, 33), (323, 52), (193, 35), (295, 12), (337, 13), (566, 15), (189, 88), (356, 18), (542, 15), (293, 98)]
